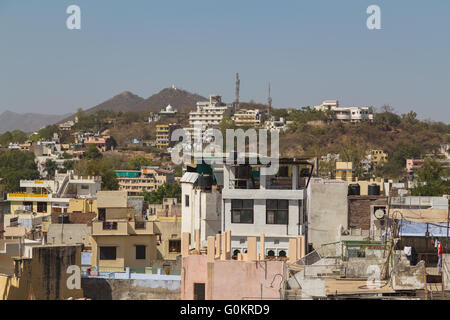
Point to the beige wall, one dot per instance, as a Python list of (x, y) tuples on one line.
[(170, 230), (126, 251), (82, 205)]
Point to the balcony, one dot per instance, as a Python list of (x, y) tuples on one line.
[(122, 228)]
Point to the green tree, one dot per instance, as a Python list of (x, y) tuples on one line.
[(92, 152), (68, 165), (167, 190), (137, 162), (432, 179), (98, 167), (51, 167), (17, 165)]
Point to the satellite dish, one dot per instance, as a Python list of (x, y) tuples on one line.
[(379, 214)]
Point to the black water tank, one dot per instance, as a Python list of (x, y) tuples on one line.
[(354, 190), (373, 190), (205, 181)]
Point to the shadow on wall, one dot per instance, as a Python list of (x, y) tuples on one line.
[(96, 289)]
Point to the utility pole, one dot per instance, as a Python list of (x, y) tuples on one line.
[(238, 85), (269, 103)]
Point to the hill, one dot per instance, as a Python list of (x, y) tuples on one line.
[(180, 99), (27, 122), (126, 101)]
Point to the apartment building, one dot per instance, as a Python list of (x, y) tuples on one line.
[(378, 156), (147, 179), (42, 197), (103, 143), (255, 203), (252, 118), (210, 113), (414, 164), (163, 135), (347, 114), (119, 237)]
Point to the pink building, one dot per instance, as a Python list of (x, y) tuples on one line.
[(414, 164), (103, 143), (211, 273)]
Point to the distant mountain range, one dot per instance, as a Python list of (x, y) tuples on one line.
[(27, 122), (125, 101)]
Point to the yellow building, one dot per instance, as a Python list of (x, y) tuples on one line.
[(82, 205), (378, 156), (163, 134), (120, 239), (168, 231), (344, 171)]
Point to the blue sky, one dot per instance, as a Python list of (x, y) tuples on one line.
[(309, 51)]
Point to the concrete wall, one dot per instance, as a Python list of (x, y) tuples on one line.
[(327, 209), (125, 251), (68, 234), (231, 279), (44, 277), (169, 230), (129, 289)]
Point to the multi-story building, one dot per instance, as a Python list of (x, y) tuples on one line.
[(42, 197), (347, 114), (103, 143), (168, 111), (210, 113), (414, 164), (353, 114), (147, 179), (120, 239), (378, 156), (245, 117), (163, 135)]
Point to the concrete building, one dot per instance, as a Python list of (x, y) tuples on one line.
[(119, 237), (254, 203), (378, 156), (103, 143), (344, 171), (251, 118), (147, 179), (164, 134), (414, 164), (200, 206), (45, 196), (210, 113), (41, 275), (347, 114), (169, 208)]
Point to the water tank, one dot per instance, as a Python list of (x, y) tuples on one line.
[(205, 181), (354, 190), (373, 190)]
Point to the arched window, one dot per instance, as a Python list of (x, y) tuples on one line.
[(236, 252), (282, 253), (271, 253)]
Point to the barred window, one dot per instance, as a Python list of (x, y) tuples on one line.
[(241, 211), (277, 211)]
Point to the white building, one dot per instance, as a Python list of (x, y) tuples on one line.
[(347, 114), (210, 113), (255, 204)]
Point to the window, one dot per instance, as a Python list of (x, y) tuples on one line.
[(282, 253), (277, 211), (241, 211), (140, 252), (186, 200), (109, 225), (174, 246), (107, 253), (28, 206), (84, 187), (42, 207)]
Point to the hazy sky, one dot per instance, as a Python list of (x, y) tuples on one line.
[(309, 50)]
